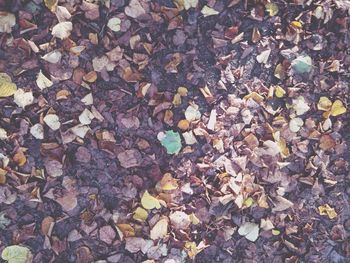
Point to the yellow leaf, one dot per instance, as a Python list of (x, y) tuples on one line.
[(168, 183), (296, 24), (149, 202), (324, 104), (279, 92), (327, 210), (177, 99), (182, 91), (248, 202), (191, 249), (51, 4), (20, 158), (183, 125), (255, 96), (140, 214), (272, 9), (337, 108), (126, 230), (7, 87), (160, 229), (276, 232), (194, 219)]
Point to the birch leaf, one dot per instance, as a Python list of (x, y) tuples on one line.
[(42, 81)]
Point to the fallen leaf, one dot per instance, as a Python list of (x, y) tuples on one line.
[(207, 11), (249, 230), (256, 36), (295, 124), (182, 91), (263, 57), (296, 24), (16, 254), (190, 4), (91, 10), (52, 121), (101, 63), (62, 14), (171, 141), (180, 220), (53, 57), (189, 138), (327, 142), (160, 229), (114, 24), (134, 9), (327, 210), (149, 202), (324, 104), (272, 9), (302, 64), (279, 92), (337, 108), (62, 30), (86, 117), (130, 158), (183, 125), (88, 99), (7, 87), (140, 214), (4, 222), (168, 183), (3, 134), (191, 249), (90, 77), (192, 112), (7, 21), (126, 229), (37, 130), (23, 98), (42, 81), (20, 158), (300, 106), (51, 4)]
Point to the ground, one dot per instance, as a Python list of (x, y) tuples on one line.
[(174, 131)]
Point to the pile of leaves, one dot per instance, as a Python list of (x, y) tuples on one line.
[(174, 131)]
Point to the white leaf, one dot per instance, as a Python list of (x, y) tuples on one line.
[(53, 57), (3, 134), (263, 57), (22, 98), (62, 14), (212, 120), (86, 117), (189, 138), (190, 3), (180, 220), (42, 81), (295, 124), (114, 24), (192, 113), (160, 229), (300, 106), (80, 130), (37, 130), (88, 99), (62, 30), (207, 11), (249, 230), (52, 121), (7, 21), (99, 63)]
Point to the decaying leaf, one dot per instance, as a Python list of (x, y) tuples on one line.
[(168, 183), (52, 121), (140, 214), (295, 124), (272, 9), (51, 4), (7, 87), (180, 220), (23, 98), (192, 112), (114, 24), (37, 130), (208, 11)]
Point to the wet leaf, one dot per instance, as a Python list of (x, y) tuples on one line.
[(171, 141), (16, 254), (149, 202)]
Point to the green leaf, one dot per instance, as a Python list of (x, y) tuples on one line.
[(302, 64), (4, 222), (16, 254), (172, 142)]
